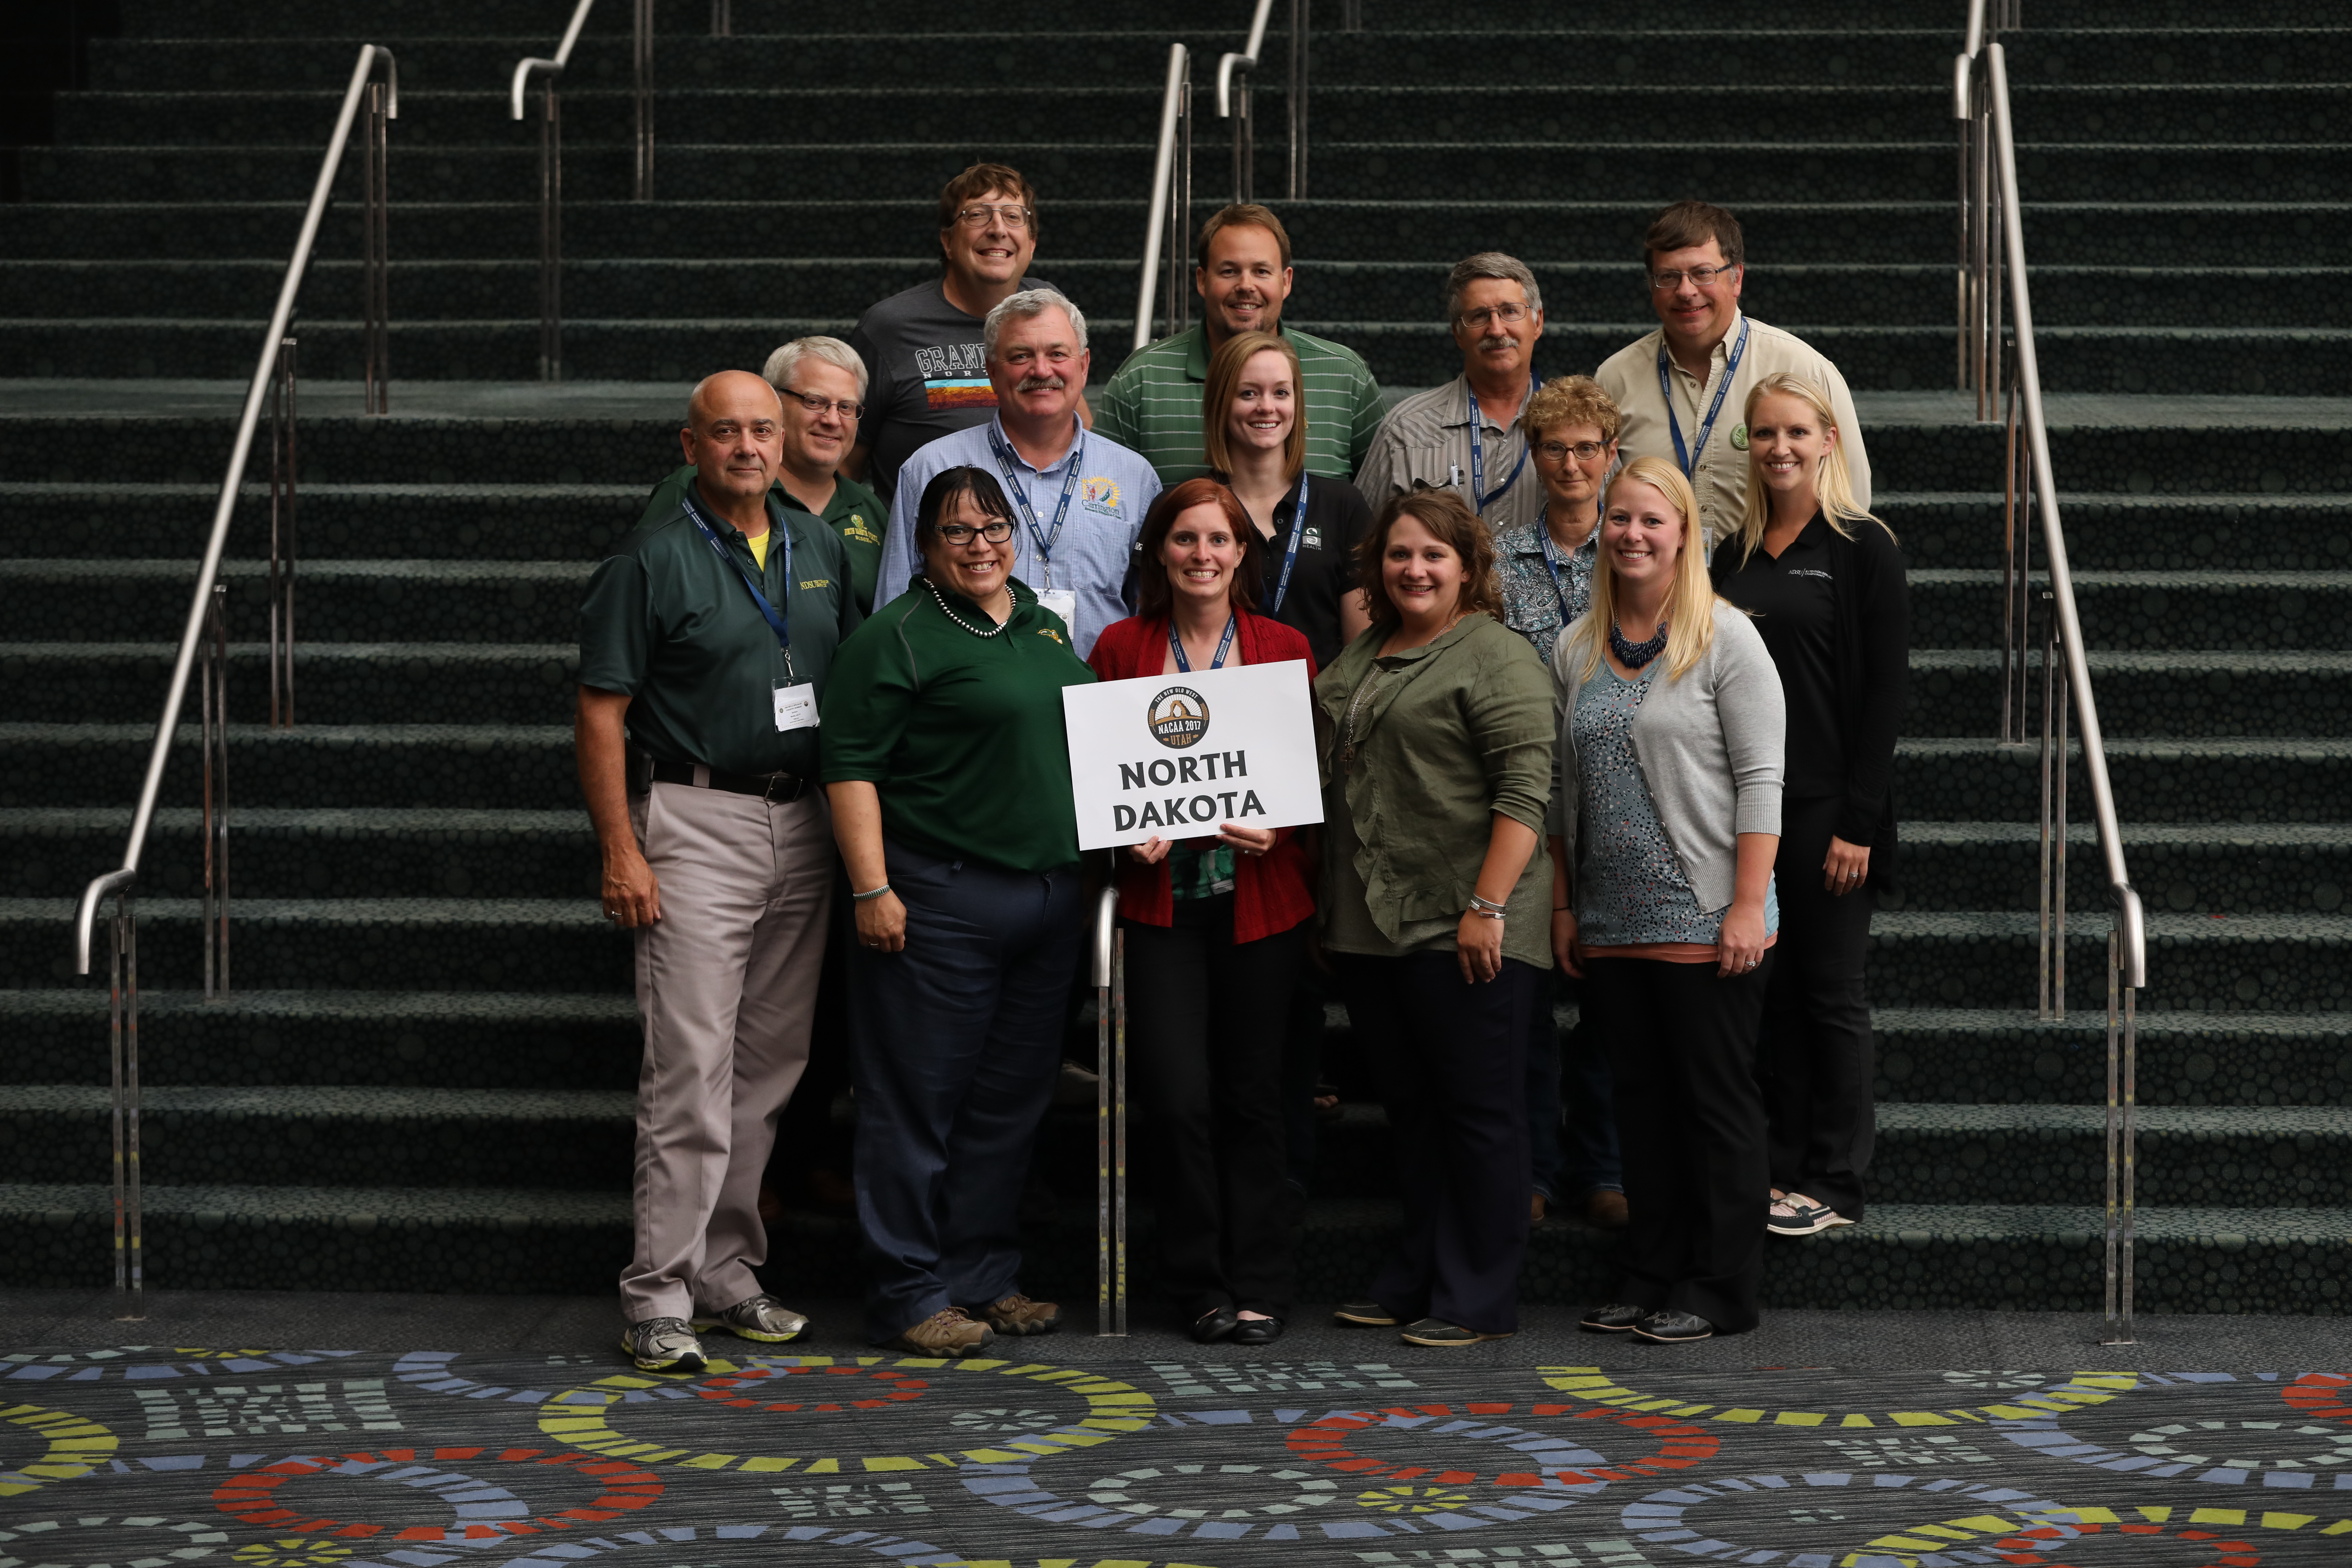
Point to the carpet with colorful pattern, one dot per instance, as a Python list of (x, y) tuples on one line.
[(157, 1456)]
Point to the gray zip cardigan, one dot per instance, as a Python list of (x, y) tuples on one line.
[(1709, 745)]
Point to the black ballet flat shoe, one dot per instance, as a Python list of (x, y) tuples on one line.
[(1218, 1323), (1258, 1330), (1668, 1327)]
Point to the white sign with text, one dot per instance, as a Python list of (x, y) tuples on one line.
[(1178, 755)]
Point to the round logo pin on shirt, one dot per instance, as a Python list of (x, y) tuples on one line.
[(1739, 438)]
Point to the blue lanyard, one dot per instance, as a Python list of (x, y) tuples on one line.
[(1552, 561), (1480, 498), (1290, 552), (775, 617), (1044, 540), (1689, 458), (1224, 645)]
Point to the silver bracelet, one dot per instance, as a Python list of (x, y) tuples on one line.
[(876, 893), (1484, 914), (1486, 906)]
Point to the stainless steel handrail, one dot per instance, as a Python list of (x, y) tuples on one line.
[(203, 611), (1110, 1117), (2066, 662), (1171, 200), (1230, 99), (551, 187)]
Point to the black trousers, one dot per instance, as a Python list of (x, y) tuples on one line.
[(1452, 1059), (1816, 1061), (1690, 1123), (1206, 1017)]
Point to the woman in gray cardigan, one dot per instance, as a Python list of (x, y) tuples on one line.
[(1665, 823)]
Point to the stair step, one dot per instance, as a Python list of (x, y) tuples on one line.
[(2185, 778), (528, 944), (330, 1137), (396, 682), (2245, 610), (2208, 1059), (2198, 963), (2232, 868), (409, 1040), (472, 766), (2169, 692)]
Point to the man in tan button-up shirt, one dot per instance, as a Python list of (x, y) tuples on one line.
[(1696, 263)]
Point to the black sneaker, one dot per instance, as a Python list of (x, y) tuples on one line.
[(1615, 1319), (1668, 1327), (1436, 1333)]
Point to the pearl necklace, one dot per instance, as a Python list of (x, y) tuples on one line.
[(941, 600)]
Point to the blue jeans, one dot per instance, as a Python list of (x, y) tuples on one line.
[(957, 1039)]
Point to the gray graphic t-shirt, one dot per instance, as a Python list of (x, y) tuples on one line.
[(927, 376)]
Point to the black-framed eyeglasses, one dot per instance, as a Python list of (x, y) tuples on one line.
[(1559, 452), (815, 405), (996, 532), (1703, 277), (1008, 214)]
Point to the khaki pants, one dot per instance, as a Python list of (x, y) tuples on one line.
[(726, 986)]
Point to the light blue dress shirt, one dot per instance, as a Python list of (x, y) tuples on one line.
[(1115, 488)]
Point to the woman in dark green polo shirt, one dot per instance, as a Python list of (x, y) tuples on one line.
[(947, 765)]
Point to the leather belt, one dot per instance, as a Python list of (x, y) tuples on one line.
[(781, 788)]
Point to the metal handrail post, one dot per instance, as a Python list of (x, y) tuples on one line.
[(551, 187), (1173, 98), (142, 816), (211, 727), (1300, 21), (375, 265), (1110, 1117), (641, 76), (722, 18), (123, 1010), (1245, 146), (284, 454)]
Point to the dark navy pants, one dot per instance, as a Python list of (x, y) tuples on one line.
[(1453, 1063), (958, 1039)]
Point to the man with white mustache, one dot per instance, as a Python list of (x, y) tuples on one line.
[(1465, 435), (1243, 275), (1681, 387), (1078, 498)]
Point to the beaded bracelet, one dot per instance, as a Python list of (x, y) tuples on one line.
[(876, 893)]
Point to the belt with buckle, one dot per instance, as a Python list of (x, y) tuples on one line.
[(781, 788)]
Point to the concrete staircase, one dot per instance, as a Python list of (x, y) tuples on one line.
[(423, 1080)]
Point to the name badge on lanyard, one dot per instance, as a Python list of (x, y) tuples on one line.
[(794, 699), (1062, 602), (1042, 539), (1688, 457)]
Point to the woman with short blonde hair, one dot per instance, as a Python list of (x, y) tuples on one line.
[(1824, 581), (1664, 821)]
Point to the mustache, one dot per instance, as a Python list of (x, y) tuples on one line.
[(1041, 383)]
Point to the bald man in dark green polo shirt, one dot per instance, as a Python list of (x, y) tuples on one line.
[(705, 643)]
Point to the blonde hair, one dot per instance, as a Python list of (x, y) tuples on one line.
[(1571, 400), (1223, 380), (1689, 610), (1833, 486)]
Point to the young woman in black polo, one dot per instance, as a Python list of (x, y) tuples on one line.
[(1824, 582)]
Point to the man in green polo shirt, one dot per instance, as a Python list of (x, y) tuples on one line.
[(1153, 403), (705, 644), (823, 384)]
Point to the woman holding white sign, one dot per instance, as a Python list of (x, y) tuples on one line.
[(1215, 927), (1435, 731), (1666, 821)]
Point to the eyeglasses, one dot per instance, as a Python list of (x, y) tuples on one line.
[(1700, 277), (815, 405), (995, 532), (1510, 315), (1010, 215), (1559, 452)]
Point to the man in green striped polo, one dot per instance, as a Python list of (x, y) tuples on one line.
[(1242, 276)]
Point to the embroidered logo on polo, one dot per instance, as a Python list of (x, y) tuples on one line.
[(860, 530), (1102, 494)]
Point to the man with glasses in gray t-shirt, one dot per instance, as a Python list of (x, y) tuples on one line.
[(926, 370)]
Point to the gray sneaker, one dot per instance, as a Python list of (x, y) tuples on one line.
[(760, 1317), (663, 1344)]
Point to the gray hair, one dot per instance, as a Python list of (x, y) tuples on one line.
[(1027, 305), (832, 351), (1488, 264)]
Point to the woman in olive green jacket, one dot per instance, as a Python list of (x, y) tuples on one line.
[(1435, 731)]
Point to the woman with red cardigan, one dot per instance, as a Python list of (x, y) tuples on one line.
[(1214, 927)]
